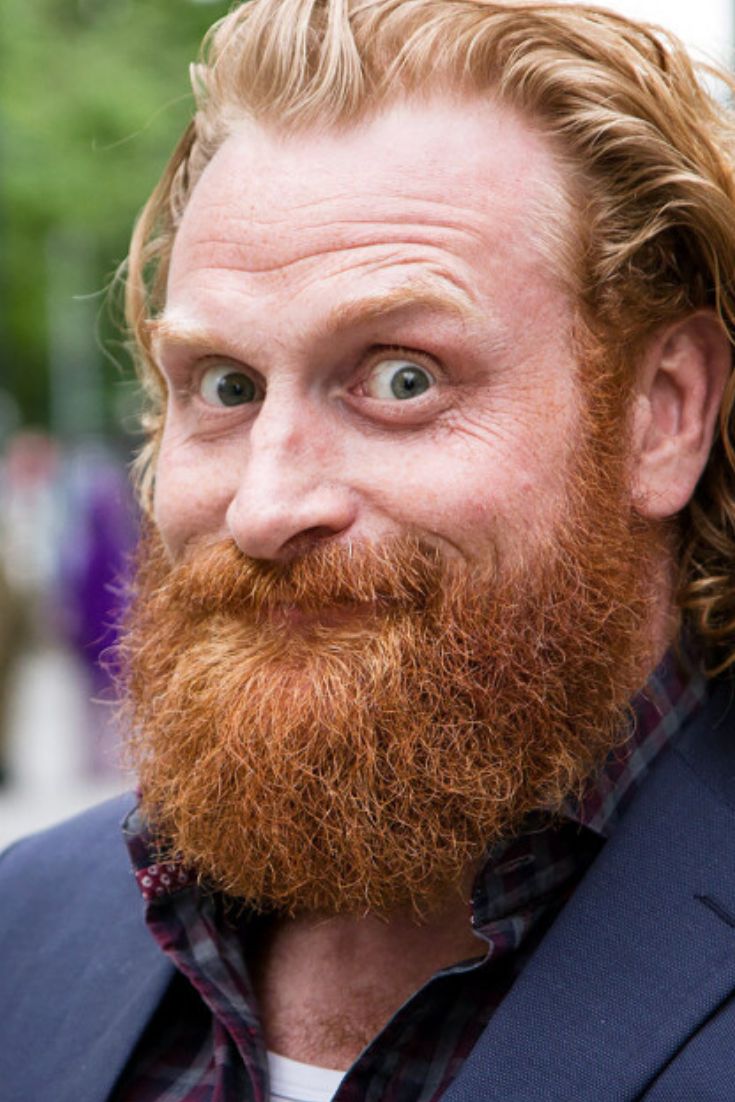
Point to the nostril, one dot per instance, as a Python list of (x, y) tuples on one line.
[(306, 539)]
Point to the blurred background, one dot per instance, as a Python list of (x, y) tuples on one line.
[(93, 94)]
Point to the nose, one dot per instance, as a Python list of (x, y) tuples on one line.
[(291, 493)]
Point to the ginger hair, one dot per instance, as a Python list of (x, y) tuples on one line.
[(648, 150)]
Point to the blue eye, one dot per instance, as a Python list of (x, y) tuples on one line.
[(225, 386), (398, 380)]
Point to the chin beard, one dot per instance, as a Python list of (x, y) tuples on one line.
[(351, 730)]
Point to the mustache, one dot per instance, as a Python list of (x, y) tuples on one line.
[(398, 573)]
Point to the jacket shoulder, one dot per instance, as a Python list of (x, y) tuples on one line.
[(83, 845), (61, 884)]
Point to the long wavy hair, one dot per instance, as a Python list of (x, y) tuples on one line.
[(650, 157)]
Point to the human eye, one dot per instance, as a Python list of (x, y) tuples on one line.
[(224, 385), (398, 379)]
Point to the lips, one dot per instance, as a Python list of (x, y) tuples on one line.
[(295, 617)]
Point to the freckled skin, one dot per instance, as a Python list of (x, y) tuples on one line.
[(280, 231)]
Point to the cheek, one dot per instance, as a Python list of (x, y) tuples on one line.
[(189, 500), (473, 497)]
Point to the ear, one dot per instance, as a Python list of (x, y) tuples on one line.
[(679, 389)]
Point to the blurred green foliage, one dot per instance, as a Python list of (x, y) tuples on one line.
[(93, 94)]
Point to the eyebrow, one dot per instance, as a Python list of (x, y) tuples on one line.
[(438, 296), (177, 333), (428, 295)]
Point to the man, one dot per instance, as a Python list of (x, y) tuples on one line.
[(425, 670)]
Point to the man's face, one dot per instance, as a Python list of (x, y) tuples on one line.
[(363, 339), (401, 601)]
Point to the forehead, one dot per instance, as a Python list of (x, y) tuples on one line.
[(463, 175)]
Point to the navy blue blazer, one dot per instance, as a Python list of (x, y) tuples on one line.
[(629, 996)]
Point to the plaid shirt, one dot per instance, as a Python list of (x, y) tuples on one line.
[(205, 1040)]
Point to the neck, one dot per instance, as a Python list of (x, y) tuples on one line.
[(327, 986)]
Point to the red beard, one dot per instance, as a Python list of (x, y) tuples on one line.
[(349, 731)]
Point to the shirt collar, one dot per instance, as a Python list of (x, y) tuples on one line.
[(673, 692)]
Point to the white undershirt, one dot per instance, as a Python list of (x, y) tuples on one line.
[(292, 1081)]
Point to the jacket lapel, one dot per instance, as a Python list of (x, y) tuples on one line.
[(644, 951), (121, 976), (81, 973), (105, 1029)]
